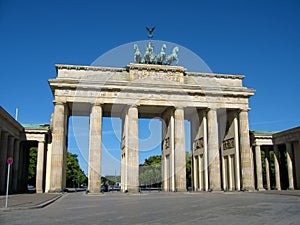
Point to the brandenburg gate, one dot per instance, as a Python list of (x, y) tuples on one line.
[(215, 104)]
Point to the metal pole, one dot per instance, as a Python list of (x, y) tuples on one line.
[(7, 186)]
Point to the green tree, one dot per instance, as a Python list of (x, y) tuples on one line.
[(32, 165), (150, 172), (75, 175), (188, 170)]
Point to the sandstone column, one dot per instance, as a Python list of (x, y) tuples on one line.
[(200, 173), (40, 167), (3, 164), (171, 169), (259, 179), (289, 152), (205, 151), (95, 149), (180, 170), (133, 150), (246, 154), (213, 151), (277, 167), (48, 166), (58, 148), (267, 160), (230, 173), (237, 154)]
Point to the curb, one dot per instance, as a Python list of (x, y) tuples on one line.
[(42, 205)]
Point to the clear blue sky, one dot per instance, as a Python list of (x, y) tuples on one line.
[(260, 39)]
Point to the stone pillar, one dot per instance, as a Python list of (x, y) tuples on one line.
[(237, 154), (259, 179), (16, 169), (95, 149), (230, 173), (277, 167), (133, 150), (267, 160), (205, 151), (246, 153), (40, 167), (180, 168), (172, 173), (289, 151), (196, 171), (58, 155), (213, 151), (3, 164), (48, 166)]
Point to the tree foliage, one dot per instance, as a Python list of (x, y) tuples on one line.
[(32, 165), (75, 176), (188, 170), (150, 172)]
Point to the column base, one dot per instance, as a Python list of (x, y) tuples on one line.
[(94, 191), (261, 189), (132, 190), (56, 191), (214, 189)]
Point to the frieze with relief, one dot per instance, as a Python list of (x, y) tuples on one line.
[(228, 144)]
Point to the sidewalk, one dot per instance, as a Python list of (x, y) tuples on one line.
[(28, 200)]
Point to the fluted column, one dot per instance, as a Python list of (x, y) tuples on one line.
[(277, 167), (259, 179), (246, 153), (205, 151), (180, 170), (95, 149), (267, 160), (230, 178), (133, 150), (40, 167), (289, 151), (3, 158), (237, 154), (58, 156), (213, 150)]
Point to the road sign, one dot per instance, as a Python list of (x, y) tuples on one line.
[(10, 160)]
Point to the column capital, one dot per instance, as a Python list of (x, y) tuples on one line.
[(135, 105), (97, 104), (59, 102), (212, 109), (244, 110)]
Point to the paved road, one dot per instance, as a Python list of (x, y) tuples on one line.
[(163, 208)]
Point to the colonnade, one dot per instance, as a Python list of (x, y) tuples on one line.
[(230, 168), (10, 147), (281, 153), (286, 159)]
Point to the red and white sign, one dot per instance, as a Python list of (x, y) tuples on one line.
[(10, 160)]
